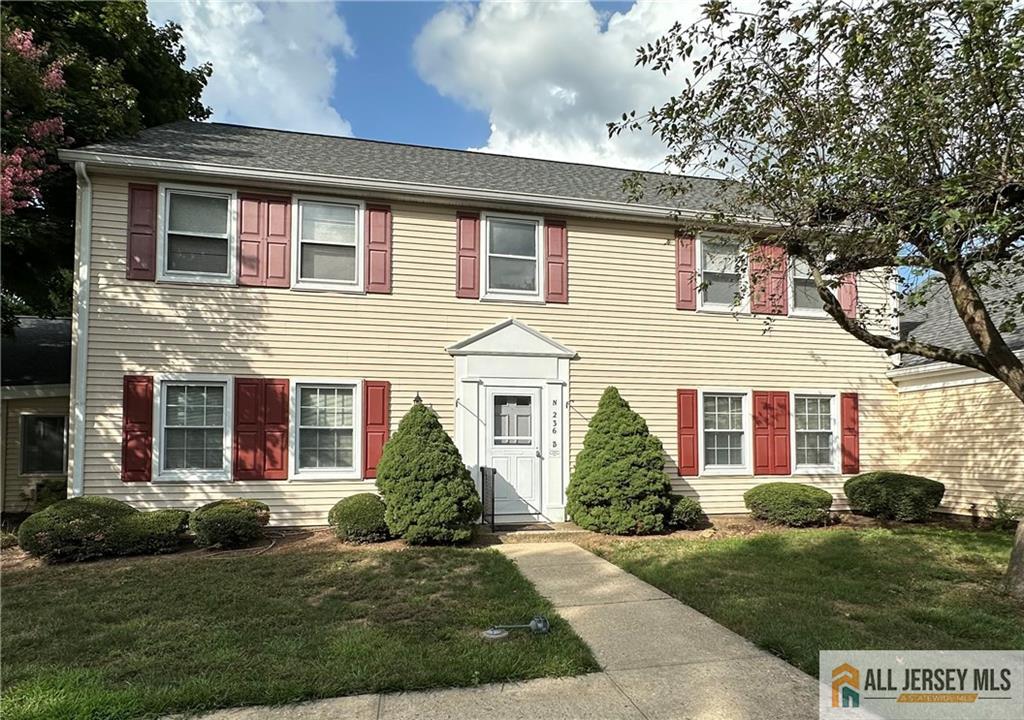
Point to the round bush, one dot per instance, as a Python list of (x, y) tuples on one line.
[(619, 486), (790, 504), (359, 519), (427, 490), (229, 523), (72, 529), (894, 496), (685, 513), (147, 533)]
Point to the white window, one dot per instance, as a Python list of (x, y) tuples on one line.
[(721, 279), (513, 420), (815, 431), (198, 238), (803, 292), (43, 447), (511, 262), (326, 429), (328, 251), (193, 435), (724, 423)]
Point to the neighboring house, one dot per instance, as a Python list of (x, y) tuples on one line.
[(36, 367), (958, 425), (256, 310)]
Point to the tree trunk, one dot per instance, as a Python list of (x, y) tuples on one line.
[(1015, 573)]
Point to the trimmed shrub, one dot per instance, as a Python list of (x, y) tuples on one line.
[(790, 504), (359, 519), (49, 491), (427, 490), (685, 513), (8, 540), (893, 496), (619, 486), (72, 529), (229, 523), (147, 533)]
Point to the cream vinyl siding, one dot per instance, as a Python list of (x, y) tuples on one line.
[(970, 437), (620, 319), (15, 484)]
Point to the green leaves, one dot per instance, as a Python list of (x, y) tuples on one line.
[(619, 485)]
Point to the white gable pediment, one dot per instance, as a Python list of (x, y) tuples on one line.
[(511, 337)]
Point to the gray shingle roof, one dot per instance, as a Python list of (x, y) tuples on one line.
[(39, 353), (937, 321), (276, 150)]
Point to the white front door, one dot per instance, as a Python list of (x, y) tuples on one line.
[(514, 451)]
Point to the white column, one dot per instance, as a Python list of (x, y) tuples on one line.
[(556, 453)]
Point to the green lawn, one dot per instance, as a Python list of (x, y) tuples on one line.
[(148, 636), (795, 593)]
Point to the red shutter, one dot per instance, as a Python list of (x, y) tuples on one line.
[(771, 433), (247, 462), (467, 267), (137, 429), (279, 242), (686, 431), (780, 434), (275, 430), (378, 249), (556, 261), (850, 432), (686, 273), (769, 284), (261, 429), (848, 294), (762, 432), (376, 413), (141, 261), (264, 241)]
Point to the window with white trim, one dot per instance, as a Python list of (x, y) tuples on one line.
[(512, 257), (43, 447), (329, 238), (804, 292), (513, 420), (193, 425), (814, 417), (326, 427), (720, 274), (724, 435), (198, 237)]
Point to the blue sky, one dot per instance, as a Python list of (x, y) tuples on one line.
[(539, 79)]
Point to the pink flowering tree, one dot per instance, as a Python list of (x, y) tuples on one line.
[(73, 74), (33, 129)]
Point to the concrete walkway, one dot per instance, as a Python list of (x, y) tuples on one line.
[(661, 660)]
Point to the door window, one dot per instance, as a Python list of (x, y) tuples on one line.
[(513, 420)]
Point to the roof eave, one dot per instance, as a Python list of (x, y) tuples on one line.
[(628, 210)]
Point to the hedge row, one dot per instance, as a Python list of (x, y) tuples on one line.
[(89, 527)]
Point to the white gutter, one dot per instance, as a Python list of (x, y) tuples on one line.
[(80, 335), (627, 209)]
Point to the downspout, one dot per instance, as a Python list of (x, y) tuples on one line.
[(83, 245)]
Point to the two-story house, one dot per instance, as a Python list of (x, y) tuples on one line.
[(256, 310)]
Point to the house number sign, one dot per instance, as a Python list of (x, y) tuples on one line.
[(556, 449)]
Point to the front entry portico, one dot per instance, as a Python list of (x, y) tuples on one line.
[(511, 390)]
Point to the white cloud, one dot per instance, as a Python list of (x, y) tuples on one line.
[(550, 76), (273, 63)]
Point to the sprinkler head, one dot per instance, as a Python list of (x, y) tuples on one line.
[(494, 634)]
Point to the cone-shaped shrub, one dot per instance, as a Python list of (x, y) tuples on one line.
[(619, 485), (429, 494)]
